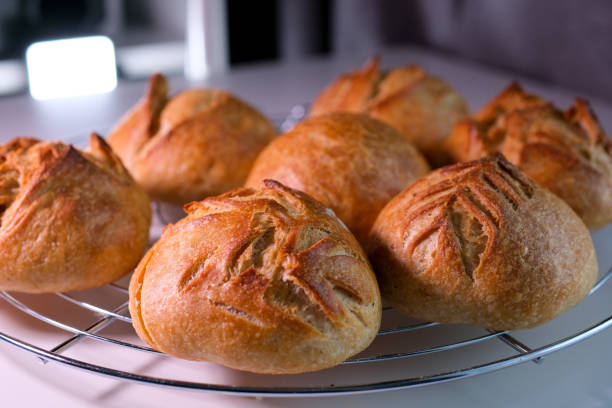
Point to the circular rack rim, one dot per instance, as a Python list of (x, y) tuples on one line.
[(411, 382)]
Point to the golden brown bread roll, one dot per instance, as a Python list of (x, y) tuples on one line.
[(265, 280), (422, 107), (201, 142), (481, 244), (70, 219), (350, 162), (567, 153)]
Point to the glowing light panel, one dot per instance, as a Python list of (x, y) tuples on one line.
[(71, 67)]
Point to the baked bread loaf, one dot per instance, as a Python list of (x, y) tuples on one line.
[(481, 244), (350, 162), (422, 107), (201, 142), (70, 219), (267, 281), (567, 153)]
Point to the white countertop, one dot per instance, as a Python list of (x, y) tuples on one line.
[(576, 376)]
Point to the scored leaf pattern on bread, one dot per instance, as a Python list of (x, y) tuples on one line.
[(266, 280), (464, 210), (291, 263)]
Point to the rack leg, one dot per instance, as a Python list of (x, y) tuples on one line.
[(516, 345), (93, 328)]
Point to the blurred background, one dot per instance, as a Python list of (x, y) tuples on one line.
[(564, 42)]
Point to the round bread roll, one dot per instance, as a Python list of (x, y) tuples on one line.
[(350, 162), (71, 220), (202, 142), (567, 153), (422, 107), (267, 281), (481, 244)]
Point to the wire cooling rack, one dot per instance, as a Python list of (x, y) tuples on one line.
[(519, 352), (92, 332)]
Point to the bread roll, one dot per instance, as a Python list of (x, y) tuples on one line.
[(481, 244), (567, 153), (422, 107), (265, 280), (201, 142), (349, 162), (70, 219)]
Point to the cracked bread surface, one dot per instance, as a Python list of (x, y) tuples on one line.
[(567, 153), (199, 143), (479, 243), (266, 280), (422, 107), (70, 219)]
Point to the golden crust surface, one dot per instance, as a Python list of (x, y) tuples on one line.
[(350, 162), (264, 280), (422, 107), (567, 153), (71, 220), (481, 244), (199, 143)]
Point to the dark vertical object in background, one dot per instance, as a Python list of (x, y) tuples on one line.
[(324, 10), (50, 19), (252, 30), (26, 21), (10, 28)]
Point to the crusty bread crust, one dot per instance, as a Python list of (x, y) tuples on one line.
[(350, 162), (266, 280), (199, 143), (70, 219), (481, 244), (422, 107), (567, 153)]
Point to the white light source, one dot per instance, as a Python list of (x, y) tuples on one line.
[(72, 67)]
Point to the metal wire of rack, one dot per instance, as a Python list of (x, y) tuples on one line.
[(106, 316), (523, 353)]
